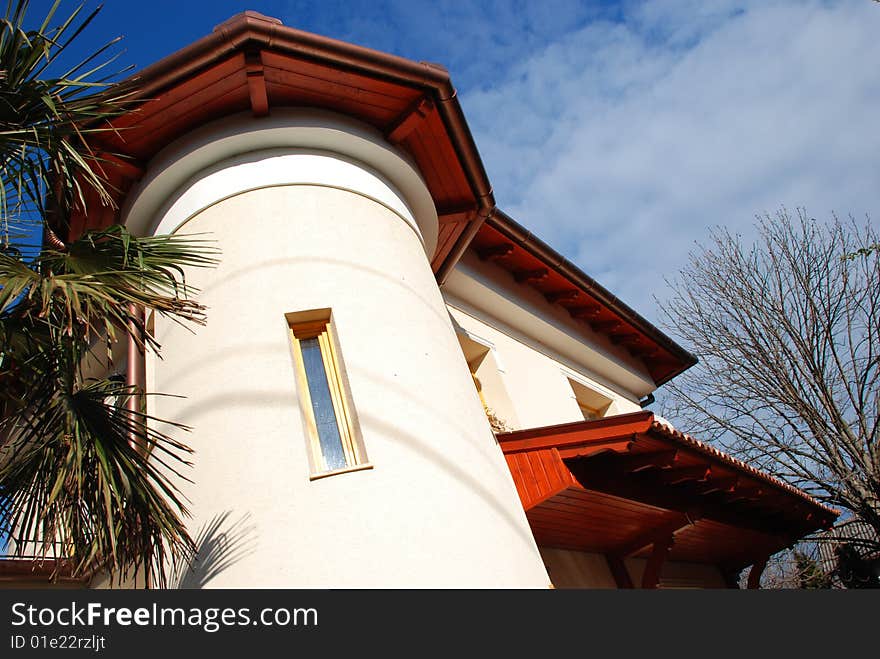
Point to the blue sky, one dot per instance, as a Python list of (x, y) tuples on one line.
[(618, 131)]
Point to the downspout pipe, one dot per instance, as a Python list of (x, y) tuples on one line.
[(135, 374)]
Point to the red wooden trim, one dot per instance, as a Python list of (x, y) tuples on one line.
[(537, 274), (671, 523), (454, 215), (39, 570), (585, 311), (566, 434), (592, 449), (256, 80), (606, 326), (409, 120), (638, 461), (624, 337), (695, 473), (560, 296), (539, 476), (495, 252), (716, 485), (642, 350)]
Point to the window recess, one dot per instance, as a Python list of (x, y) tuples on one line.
[(333, 442)]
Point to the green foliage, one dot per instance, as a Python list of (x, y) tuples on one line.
[(45, 117), (84, 472), (809, 573)]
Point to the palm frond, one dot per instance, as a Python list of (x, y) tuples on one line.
[(83, 470)]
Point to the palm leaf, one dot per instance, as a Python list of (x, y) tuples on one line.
[(81, 474)]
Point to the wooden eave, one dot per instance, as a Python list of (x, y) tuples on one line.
[(531, 262), (38, 573), (254, 63), (616, 485)]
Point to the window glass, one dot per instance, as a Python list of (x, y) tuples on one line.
[(322, 404)]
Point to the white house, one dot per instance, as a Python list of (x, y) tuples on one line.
[(368, 282)]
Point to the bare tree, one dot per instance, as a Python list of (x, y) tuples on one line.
[(789, 341)]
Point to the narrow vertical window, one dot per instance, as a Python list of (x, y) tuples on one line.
[(333, 445)]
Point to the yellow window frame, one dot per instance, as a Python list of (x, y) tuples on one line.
[(304, 326)]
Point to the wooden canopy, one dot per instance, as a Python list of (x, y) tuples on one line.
[(253, 63), (631, 486), (531, 262)]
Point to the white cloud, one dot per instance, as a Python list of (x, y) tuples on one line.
[(619, 132), (621, 142)]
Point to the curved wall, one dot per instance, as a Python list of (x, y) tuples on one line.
[(438, 507)]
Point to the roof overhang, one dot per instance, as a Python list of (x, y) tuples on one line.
[(39, 573), (619, 485), (532, 262), (252, 63)]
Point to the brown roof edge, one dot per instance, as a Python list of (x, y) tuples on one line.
[(644, 418), (646, 422), (506, 225), (258, 30), (682, 438)]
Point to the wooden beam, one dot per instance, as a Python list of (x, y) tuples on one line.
[(624, 427), (523, 276), (585, 311), (602, 475), (624, 337), (456, 215), (560, 296), (659, 552), (756, 572), (642, 350), (744, 494), (716, 485), (592, 450), (495, 252), (638, 461), (617, 567), (606, 326), (408, 120), (256, 81), (668, 526), (696, 473)]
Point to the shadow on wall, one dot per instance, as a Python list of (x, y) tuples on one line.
[(219, 545)]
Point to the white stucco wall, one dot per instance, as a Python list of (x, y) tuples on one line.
[(438, 507), (537, 354)]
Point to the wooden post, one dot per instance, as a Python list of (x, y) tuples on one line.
[(619, 571), (756, 572), (659, 552)]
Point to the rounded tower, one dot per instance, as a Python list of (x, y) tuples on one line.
[(338, 439)]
